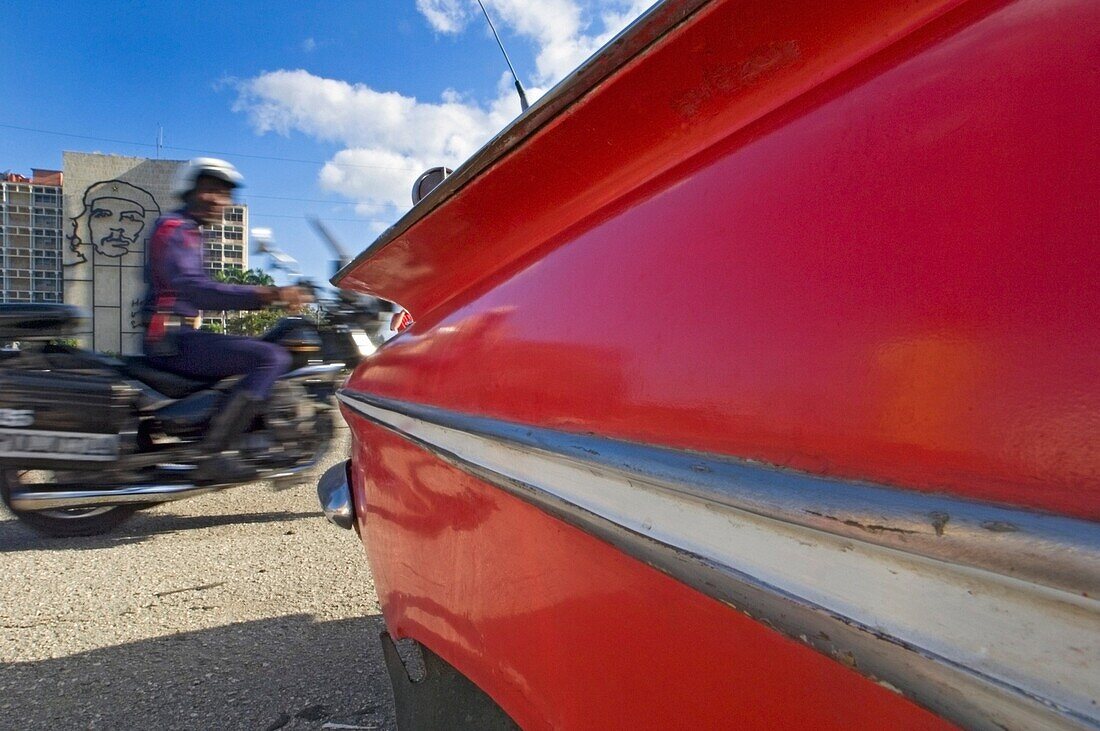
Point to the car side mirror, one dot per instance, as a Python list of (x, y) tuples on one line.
[(261, 240), (428, 181)]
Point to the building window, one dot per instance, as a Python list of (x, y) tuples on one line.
[(47, 242), (46, 218), (47, 197)]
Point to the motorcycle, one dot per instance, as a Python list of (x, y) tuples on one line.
[(87, 439)]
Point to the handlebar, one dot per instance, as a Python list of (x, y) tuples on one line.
[(347, 306)]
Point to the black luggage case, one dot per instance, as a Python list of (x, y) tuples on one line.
[(62, 419), (39, 321)]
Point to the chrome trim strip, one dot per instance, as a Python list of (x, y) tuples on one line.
[(29, 500), (1054, 551), (985, 615)]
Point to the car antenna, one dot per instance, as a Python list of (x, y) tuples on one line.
[(519, 87)]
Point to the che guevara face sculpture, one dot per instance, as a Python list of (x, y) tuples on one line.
[(116, 219)]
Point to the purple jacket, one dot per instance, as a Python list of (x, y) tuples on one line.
[(174, 277)]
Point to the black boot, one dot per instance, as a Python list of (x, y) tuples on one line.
[(219, 459)]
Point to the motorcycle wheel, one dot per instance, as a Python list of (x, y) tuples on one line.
[(60, 522)]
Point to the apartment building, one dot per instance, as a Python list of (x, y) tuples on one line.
[(225, 244), (30, 237)]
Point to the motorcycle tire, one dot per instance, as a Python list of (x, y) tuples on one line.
[(62, 522)]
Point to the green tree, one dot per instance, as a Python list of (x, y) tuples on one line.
[(252, 322), (235, 275)]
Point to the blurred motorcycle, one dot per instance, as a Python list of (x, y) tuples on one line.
[(86, 438)]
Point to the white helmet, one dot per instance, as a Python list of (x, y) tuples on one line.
[(190, 172)]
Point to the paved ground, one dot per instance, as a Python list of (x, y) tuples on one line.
[(237, 610)]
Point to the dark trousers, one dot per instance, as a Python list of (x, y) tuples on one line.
[(209, 356)]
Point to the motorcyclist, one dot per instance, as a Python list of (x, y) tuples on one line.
[(178, 288)]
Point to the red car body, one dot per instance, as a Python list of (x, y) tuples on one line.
[(753, 379)]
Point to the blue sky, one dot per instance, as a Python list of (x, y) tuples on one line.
[(328, 108)]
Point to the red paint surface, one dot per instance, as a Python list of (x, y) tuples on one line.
[(566, 632), (857, 241), (892, 277)]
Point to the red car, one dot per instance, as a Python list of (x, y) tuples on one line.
[(753, 382)]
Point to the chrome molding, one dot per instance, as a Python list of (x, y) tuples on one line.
[(323, 369), (29, 500), (334, 493), (983, 614)]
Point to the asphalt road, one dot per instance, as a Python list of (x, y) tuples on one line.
[(242, 609)]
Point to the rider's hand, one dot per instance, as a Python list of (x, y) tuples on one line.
[(289, 297), (295, 296)]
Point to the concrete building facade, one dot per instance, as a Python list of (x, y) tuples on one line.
[(109, 204), (30, 237)]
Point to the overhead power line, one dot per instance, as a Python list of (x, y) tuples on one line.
[(248, 194), (200, 150), (326, 219), (81, 137)]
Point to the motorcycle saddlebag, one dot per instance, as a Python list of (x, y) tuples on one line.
[(62, 420), (39, 321)]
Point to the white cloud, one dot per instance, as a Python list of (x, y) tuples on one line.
[(446, 16), (390, 138), (565, 32), (372, 175), (359, 116), (309, 45)]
